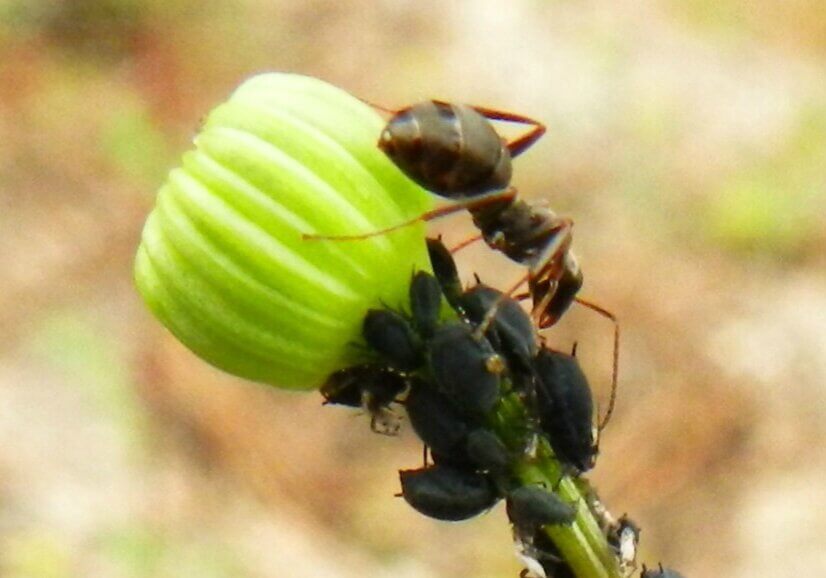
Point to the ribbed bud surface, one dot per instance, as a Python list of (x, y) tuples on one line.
[(222, 262)]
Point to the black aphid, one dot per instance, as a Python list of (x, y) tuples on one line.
[(371, 387), (660, 573), (447, 493), (425, 303), (438, 424), (391, 335), (454, 151), (466, 368), (565, 408), (452, 437), (487, 452), (511, 331), (532, 507), (444, 268)]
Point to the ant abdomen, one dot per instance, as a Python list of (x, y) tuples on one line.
[(449, 149)]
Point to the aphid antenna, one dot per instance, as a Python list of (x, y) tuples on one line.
[(465, 204), (361, 348), (400, 309)]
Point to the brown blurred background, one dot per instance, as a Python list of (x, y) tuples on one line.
[(686, 138)]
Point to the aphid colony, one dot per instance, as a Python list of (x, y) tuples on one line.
[(450, 378), (459, 357), (453, 151)]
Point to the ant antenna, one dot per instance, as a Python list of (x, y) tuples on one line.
[(614, 377), (379, 107)]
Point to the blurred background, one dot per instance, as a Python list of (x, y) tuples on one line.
[(687, 139)]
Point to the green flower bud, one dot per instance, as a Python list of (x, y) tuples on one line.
[(222, 262)]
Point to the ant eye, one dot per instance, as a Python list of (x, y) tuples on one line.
[(386, 142)]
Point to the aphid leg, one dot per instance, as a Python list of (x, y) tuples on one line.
[(424, 455), (521, 144), (471, 203)]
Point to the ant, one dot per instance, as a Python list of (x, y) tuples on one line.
[(454, 151)]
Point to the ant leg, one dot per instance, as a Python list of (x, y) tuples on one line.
[(476, 202), (553, 269), (542, 304), (428, 216), (614, 377), (491, 312), (467, 242), (548, 322), (523, 143)]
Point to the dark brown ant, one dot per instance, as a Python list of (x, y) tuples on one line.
[(454, 151)]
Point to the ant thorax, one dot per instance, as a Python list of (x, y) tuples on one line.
[(519, 230)]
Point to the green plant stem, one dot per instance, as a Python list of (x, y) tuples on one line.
[(583, 544)]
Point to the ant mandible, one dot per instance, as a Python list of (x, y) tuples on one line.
[(453, 151)]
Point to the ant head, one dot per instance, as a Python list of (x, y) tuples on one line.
[(401, 142), (386, 142)]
